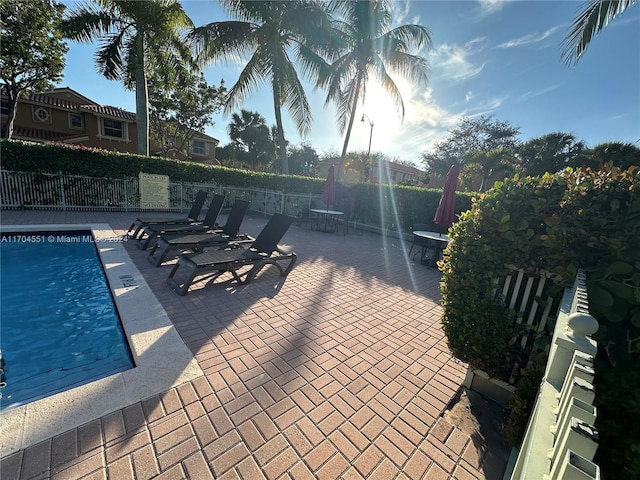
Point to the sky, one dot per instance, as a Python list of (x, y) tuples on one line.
[(488, 57)]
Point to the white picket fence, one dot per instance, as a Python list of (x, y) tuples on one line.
[(44, 191), (560, 440)]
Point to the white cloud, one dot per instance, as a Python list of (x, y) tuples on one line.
[(468, 96), (486, 107), (530, 38), (401, 12), (454, 61), (536, 93), (489, 7)]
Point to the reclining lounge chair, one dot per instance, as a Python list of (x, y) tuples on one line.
[(150, 233), (211, 264), (174, 242), (141, 222)]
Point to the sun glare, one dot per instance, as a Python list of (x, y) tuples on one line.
[(387, 120)]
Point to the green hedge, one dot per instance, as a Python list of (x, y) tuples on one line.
[(395, 208), (557, 223)]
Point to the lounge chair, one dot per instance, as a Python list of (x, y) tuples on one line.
[(141, 222), (211, 264), (151, 232), (172, 242)]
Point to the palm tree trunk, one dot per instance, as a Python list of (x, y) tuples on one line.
[(352, 117), (284, 164), (142, 101)]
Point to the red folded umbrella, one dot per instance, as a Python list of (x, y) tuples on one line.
[(329, 192), (445, 213)]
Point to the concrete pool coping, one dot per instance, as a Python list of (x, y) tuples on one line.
[(162, 360)]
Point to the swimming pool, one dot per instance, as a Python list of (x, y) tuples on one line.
[(162, 360), (60, 327)]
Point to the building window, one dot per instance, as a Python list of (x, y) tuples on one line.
[(42, 114), (199, 147), (113, 128), (75, 121), (4, 108)]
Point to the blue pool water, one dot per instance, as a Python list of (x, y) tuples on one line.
[(59, 327)]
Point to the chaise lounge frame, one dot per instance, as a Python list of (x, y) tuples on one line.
[(211, 264), (195, 242), (141, 222)]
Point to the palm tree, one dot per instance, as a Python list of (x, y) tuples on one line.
[(488, 164), (133, 36), (250, 133), (372, 50), (269, 32), (595, 15)]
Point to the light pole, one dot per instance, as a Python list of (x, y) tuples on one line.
[(368, 169)]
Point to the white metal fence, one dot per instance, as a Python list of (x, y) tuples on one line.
[(44, 191), (560, 440)]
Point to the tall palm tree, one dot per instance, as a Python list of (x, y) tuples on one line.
[(595, 15), (133, 36), (269, 32), (373, 50)]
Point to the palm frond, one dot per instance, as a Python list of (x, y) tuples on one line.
[(254, 73), (294, 97), (109, 56), (86, 23), (223, 40), (390, 87), (595, 15)]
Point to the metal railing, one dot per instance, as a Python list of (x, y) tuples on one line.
[(45, 191), (560, 440)]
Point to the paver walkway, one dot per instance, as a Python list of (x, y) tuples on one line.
[(339, 371)]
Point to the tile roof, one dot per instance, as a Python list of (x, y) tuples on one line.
[(110, 111), (44, 98), (41, 135)]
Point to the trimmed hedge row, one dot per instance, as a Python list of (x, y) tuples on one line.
[(557, 223), (394, 208)]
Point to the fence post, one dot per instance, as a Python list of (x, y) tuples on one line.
[(560, 439), (62, 194)]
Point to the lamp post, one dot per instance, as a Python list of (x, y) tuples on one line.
[(368, 168)]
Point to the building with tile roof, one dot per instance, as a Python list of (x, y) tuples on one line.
[(64, 115)]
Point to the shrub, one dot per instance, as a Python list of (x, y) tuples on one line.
[(395, 208), (557, 224)]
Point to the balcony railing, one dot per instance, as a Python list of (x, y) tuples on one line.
[(560, 440)]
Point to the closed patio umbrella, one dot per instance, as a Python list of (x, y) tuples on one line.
[(445, 213), (329, 192)]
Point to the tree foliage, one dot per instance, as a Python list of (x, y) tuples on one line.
[(471, 142), (492, 165), (33, 49), (134, 37), (618, 154), (178, 112), (370, 49), (251, 138), (594, 16), (303, 159), (270, 33), (550, 153)]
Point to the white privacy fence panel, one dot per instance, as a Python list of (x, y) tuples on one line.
[(561, 441), (43, 191), (534, 302)]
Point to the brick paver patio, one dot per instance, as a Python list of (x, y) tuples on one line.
[(339, 371)]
